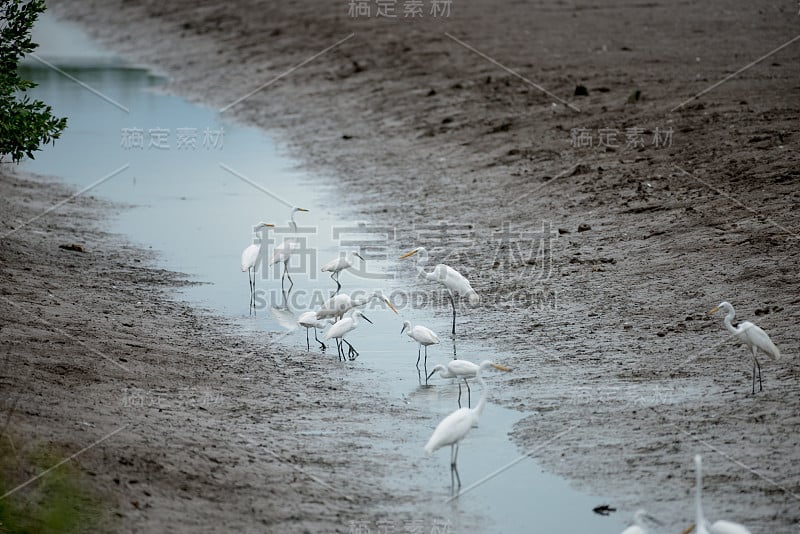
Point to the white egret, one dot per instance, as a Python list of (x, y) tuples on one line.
[(424, 336), (342, 327), (752, 336), (283, 252), (336, 306), (719, 527), (452, 280), (462, 370), (639, 526), (453, 428), (309, 320), (340, 264), (249, 261)]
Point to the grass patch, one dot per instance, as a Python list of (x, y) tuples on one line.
[(60, 501)]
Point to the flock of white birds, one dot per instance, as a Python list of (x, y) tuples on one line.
[(340, 316)]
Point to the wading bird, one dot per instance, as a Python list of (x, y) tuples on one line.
[(309, 320), (719, 527), (336, 306), (639, 526), (452, 280), (752, 336), (424, 336), (342, 327), (249, 261), (453, 428), (335, 267), (462, 369), (283, 252)]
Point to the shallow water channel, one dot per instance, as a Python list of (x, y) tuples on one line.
[(199, 183)]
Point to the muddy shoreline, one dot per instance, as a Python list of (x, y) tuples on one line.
[(194, 428), (420, 128)]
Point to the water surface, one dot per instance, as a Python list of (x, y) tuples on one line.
[(199, 183)]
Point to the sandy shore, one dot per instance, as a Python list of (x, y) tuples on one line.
[(413, 120)]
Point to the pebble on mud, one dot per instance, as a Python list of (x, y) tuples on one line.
[(583, 227), (73, 247)]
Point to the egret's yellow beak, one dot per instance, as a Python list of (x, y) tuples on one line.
[(712, 311), (688, 529), (391, 306), (500, 367), (409, 254), (301, 209)]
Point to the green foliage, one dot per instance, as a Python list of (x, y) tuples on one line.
[(57, 502), (25, 124)]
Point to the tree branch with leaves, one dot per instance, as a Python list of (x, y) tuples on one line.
[(25, 124)]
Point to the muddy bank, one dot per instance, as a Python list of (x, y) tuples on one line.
[(418, 127), (201, 429)]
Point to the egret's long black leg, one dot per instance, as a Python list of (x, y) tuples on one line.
[(469, 394), (453, 303), (419, 355), (291, 282), (453, 466), (459, 394), (321, 344), (287, 275), (335, 278), (339, 348), (426, 365), (754, 375), (252, 290), (758, 364), (308, 344), (352, 352)]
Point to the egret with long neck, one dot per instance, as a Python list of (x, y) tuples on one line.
[(719, 527), (342, 327), (250, 262), (752, 336), (454, 428), (452, 280), (283, 253)]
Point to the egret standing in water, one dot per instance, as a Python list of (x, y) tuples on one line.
[(283, 252), (462, 370), (452, 280), (309, 320), (719, 527), (336, 306), (424, 336), (453, 428), (342, 327), (249, 263), (752, 336), (335, 267)]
